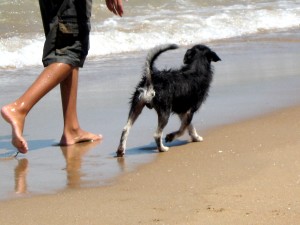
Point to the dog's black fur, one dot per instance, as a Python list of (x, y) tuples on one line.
[(180, 91)]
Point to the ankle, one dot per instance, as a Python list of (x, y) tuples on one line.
[(12, 111), (18, 109), (71, 131)]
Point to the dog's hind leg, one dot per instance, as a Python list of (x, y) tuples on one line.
[(162, 122), (134, 113)]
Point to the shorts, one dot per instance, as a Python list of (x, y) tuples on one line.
[(67, 31)]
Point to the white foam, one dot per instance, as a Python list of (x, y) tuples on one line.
[(19, 52), (142, 30)]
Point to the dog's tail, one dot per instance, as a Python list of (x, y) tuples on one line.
[(148, 93), (153, 55)]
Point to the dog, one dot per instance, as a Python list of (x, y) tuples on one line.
[(178, 91)]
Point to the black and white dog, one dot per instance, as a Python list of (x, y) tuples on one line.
[(180, 91)]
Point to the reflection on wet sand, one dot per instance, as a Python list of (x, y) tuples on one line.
[(73, 155), (21, 171), (121, 163)]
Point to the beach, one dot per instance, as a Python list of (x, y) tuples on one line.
[(246, 171)]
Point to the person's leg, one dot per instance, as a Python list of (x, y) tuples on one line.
[(72, 133), (15, 113)]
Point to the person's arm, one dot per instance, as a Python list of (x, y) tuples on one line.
[(115, 6)]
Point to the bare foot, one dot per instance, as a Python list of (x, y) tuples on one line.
[(78, 137), (16, 120)]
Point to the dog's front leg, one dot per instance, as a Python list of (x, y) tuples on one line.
[(185, 120), (162, 122), (193, 133)]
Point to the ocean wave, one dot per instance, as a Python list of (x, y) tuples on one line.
[(145, 27)]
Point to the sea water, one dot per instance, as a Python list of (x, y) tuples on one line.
[(144, 25)]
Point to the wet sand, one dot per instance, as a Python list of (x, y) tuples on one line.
[(243, 172)]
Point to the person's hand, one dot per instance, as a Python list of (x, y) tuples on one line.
[(115, 6)]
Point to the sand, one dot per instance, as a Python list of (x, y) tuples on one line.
[(244, 173), (247, 171)]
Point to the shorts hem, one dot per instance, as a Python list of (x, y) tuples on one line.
[(65, 61)]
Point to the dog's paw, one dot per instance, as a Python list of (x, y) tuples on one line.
[(120, 152), (197, 138), (163, 149), (170, 137)]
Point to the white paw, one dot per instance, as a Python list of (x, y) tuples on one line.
[(197, 138), (163, 149)]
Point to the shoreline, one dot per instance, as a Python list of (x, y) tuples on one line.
[(241, 173), (248, 86)]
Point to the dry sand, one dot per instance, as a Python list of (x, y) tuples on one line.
[(245, 173)]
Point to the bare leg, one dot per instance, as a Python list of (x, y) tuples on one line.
[(15, 113), (72, 132)]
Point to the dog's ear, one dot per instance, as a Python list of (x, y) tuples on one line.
[(189, 55), (212, 56)]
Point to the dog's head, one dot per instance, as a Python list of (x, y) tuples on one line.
[(200, 51)]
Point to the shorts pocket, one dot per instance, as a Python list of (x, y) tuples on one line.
[(68, 28), (67, 34)]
